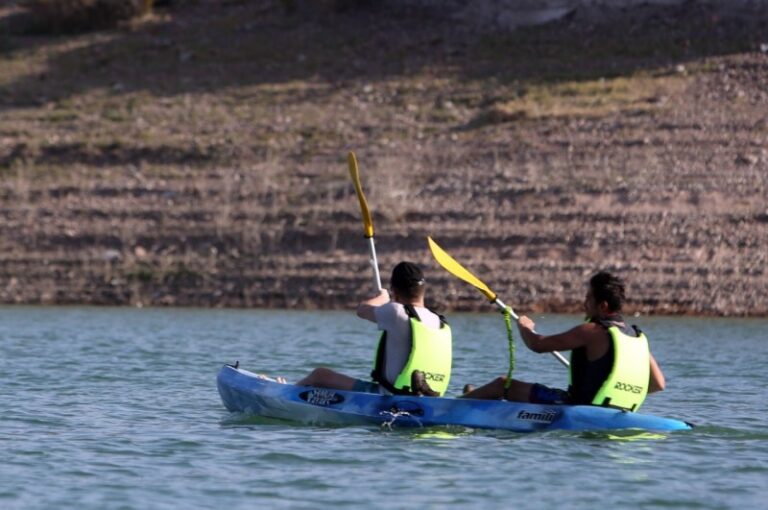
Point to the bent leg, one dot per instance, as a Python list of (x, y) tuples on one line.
[(327, 378), (518, 391)]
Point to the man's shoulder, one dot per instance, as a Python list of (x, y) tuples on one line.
[(389, 311), (393, 307)]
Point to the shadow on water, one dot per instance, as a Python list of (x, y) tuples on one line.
[(447, 432), (234, 420), (208, 45), (244, 420), (247, 420)]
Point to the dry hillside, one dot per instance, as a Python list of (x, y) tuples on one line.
[(198, 156)]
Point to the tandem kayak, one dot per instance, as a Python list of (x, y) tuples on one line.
[(246, 392)]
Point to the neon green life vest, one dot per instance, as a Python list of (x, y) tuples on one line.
[(431, 353), (627, 384)]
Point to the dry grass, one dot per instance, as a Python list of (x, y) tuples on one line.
[(632, 95)]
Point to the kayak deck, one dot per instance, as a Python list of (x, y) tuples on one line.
[(244, 391)]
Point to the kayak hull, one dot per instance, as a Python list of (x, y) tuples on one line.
[(245, 392)]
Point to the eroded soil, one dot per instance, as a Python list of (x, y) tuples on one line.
[(198, 157)]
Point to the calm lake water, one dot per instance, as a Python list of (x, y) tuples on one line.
[(118, 408)]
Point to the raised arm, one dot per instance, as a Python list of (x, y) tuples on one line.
[(569, 340), (365, 308)]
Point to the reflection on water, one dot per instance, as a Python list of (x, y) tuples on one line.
[(626, 435)]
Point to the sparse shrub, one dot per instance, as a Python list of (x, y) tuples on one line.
[(83, 15), (292, 6)]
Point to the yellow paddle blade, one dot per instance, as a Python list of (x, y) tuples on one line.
[(456, 269), (355, 174)]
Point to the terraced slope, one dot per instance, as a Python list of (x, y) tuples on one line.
[(198, 158)]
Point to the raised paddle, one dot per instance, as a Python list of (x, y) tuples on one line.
[(354, 172), (456, 269)]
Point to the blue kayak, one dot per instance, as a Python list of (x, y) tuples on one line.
[(246, 392)]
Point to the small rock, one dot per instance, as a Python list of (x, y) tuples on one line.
[(111, 255), (746, 159)]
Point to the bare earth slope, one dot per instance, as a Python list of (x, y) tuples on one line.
[(198, 157)]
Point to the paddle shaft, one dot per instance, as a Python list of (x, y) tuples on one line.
[(374, 265), (556, 354)]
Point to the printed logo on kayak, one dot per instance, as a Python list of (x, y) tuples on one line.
[(407, 407), (320, 397), (543, 416)]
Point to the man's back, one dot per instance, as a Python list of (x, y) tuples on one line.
[(393, 319)]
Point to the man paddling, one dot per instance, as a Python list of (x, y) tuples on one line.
[(611, 364), (414, 352)]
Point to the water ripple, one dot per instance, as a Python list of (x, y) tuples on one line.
[(119, 409)]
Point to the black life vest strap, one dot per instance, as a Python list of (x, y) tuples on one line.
[(410, 310), (607, 403), (377, 374), (381, 352)]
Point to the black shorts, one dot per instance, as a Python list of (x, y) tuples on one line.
[(541, 394)]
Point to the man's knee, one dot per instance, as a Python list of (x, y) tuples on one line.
[(327, 376), (322, 372)]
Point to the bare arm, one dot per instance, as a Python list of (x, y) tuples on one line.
[(657, 382), (365, 308), (569, 340)]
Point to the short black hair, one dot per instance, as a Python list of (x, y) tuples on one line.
[(609, 288), (408, 279)]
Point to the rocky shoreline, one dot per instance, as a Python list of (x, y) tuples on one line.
[(198, 158)]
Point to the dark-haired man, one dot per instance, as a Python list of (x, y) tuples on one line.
[(611, 364), (414, 352)]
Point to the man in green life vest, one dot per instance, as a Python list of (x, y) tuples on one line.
[(611, 364), (414, 352)]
